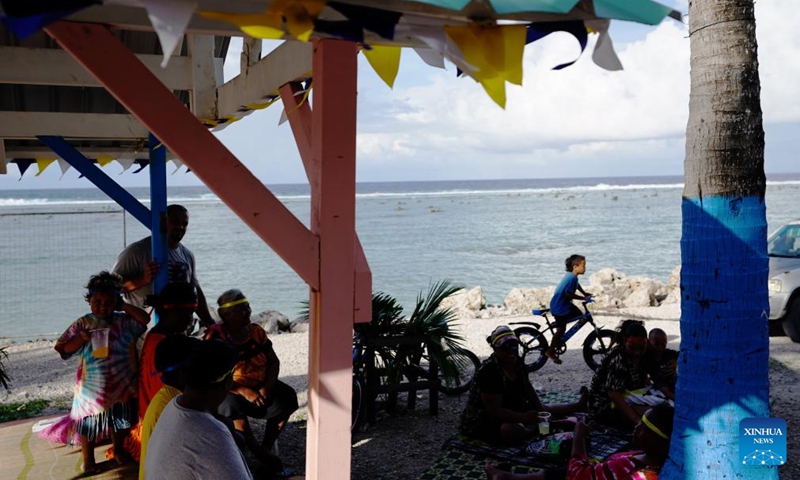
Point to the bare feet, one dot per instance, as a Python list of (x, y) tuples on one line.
[(494, 473), (123, 458), (552, 356), (90, 469)]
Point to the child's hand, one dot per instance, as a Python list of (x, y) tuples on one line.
[(151, 271)]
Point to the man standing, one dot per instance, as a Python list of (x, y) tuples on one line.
[(138, 269)]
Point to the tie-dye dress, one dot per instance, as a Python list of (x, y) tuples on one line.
[(105, 388)]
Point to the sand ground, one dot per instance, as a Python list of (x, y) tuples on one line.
[(404, 444)]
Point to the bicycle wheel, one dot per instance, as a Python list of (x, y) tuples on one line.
[(596, 347), (359, 405), (533, 347), (469, 363)]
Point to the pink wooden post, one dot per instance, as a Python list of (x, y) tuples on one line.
[(333, 150), (300, 119)]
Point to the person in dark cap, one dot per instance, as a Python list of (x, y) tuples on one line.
[(188, 442), (503, 407), (171, 356)]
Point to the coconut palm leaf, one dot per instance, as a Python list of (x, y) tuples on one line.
[(436, 326)]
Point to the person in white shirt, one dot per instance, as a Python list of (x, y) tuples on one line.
[(188, 442)]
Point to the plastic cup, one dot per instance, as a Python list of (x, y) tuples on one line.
[(100, 342), (544, 423)]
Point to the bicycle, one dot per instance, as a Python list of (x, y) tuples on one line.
[(420, 367), (534, 343)]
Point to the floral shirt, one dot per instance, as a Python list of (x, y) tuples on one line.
[(251, 369), (618, 374)]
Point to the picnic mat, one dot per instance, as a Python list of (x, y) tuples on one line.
[(463, 457)]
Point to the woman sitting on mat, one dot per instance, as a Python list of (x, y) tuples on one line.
[(503, 407), (651, 436)]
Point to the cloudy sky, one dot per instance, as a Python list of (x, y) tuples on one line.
[(578, 122)]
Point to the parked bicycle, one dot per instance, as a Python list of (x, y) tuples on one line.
[(534, 343), (464, 360)]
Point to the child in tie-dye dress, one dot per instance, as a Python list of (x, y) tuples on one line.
[(105, 392)]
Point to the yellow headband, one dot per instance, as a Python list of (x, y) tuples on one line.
[(234, 303), (654, 429)]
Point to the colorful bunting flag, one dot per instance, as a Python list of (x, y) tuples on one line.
[(24, 26), (142, 162), (42, 164), (604, 55), (385, 61), (64, 166), (23, 164), (576, 28), (495, 54), (381, 22), (299, 16), (104, 160), (126, 162)]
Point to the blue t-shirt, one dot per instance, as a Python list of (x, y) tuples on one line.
[(561, 303)]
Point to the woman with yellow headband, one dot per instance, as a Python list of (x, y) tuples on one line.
[(256, 391), (651, 437)]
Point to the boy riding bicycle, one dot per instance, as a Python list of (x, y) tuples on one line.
[(561, 305)]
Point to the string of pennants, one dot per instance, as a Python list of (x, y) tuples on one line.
[(488, 52), (23, 164)]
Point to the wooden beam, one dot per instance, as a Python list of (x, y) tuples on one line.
[(141, 93), (13, 151), (49, 66), (203, 75), (289, 62), (251, 53), (28, 125)]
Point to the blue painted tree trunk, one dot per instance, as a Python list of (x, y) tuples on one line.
[(724, 337), (724, 358)]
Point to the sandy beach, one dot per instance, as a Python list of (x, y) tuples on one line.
[(385, 450)]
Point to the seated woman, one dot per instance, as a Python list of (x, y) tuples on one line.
[(651, 437), (256, 391), (502, 403), (621, 372)]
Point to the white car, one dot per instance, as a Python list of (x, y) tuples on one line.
[(783, 248)]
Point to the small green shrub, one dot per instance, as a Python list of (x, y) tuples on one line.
[(19, 411)]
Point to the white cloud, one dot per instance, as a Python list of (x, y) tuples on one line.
[(581, 110)]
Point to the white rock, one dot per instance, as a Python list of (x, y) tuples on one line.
[(521, 301), (466, 303), (272, 321)]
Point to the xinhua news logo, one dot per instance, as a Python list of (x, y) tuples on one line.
[(762, 441)]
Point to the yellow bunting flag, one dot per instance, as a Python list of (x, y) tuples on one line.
[(43, 163), (385, 61), (298, 14), (104, 160), (266, 25), (495, 52)]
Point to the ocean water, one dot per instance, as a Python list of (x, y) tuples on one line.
[(498, 234)]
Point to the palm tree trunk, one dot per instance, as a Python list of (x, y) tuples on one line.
[(723, 371)]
